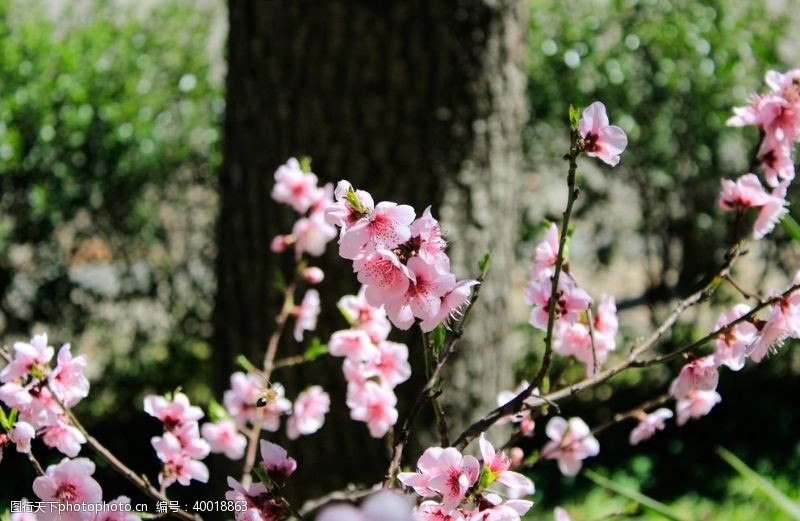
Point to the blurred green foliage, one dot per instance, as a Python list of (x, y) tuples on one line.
[(110, 120)]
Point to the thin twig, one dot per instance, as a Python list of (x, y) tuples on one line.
[(269, 364), (349, 494), (423, 396)]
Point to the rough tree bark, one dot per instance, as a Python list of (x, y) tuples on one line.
[(420, 102)]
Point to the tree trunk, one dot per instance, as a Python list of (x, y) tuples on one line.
[(420, 102)]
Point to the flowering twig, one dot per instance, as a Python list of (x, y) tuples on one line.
[(425, 394), (268, 366)]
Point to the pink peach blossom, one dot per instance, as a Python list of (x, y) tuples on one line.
[(387, 226), (571, 442), (64, 437), (498, 465), (354, 344), (383, 275), (68, 483), (361, 315), (306, 314), (28, 356), (571, 300), (374, 405), (172, 412), (696, 404), (67, 380), (223, 437), (601, 140), (422, 299), (311, 234), (544, 260), (21, 434), (294, 187), (178, 465), (259, 505), (700, 374), (392, 365), (310, 408), (276, 462), (732, 345), (342, 213), (649, 425)]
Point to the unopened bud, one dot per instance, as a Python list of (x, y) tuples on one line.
[(516, 455), (313, 275), (279, 243)]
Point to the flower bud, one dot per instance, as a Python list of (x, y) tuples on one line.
[(313, 275)]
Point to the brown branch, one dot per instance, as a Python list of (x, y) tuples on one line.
[(517, 403), (289, 361), (350, 494)]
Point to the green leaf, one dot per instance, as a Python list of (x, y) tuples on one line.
[(12, 418), (279, 282), (4, 420), (305, 164), (574, 117), (263, 477), (646, 501), (437, 338), (483, 264), (216, 412), (778, 498), (791, 227), (245, 364), (354, 201), (315, 350)]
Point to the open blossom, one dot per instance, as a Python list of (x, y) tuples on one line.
[(260, 506), (423, 298), (571, 443), (41, 409), (382, 506), (452, 304), (295, 187), (21, 434), (732, 345), (544, 260), (67, 380), (353, 344), (696, 404), (387, 226), (276, 462), (523, 418), (178, 465), (648, 425), (601, 140), (342, 213), (375, 405), (498, 464), (700, 374), (224, 437), (429, 243), (360, 314), (172, 413), (444, 472), (64, 437), (240, 401), (383, 275), (392, 363), (746, 193), (27, 356), (68, 483), (571, 300), (310, 408), (783, 323), (511, 510), (306, 314), (311, 234)]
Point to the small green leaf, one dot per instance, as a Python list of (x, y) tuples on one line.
[(646, 501), (354, 201), (483, 264), (4, 420), (778, 498), (263, 477), (245, 364), (437, 338), (574, 117), (279, 282), (315, 350), (305, 164), (216, 412), (12, 418), (791, 227)]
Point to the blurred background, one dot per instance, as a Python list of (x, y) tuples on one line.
[(137, 146)]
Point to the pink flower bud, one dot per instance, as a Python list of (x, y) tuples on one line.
[(313, 275), (279, 243), (516, 454)]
